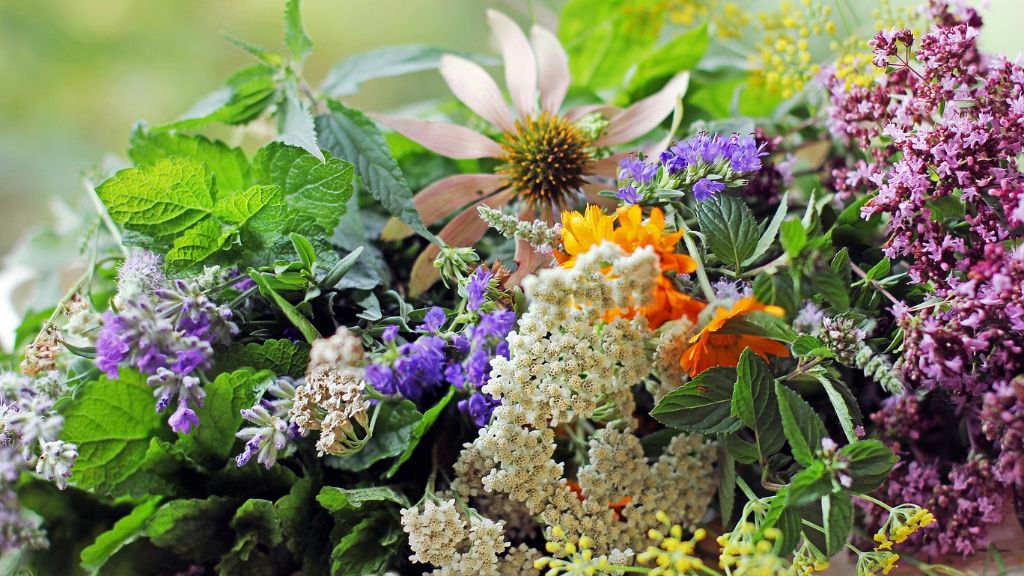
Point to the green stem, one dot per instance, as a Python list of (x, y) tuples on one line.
[(778, 262), (702, 275), (101, 209), (745, 488), (876, 502)]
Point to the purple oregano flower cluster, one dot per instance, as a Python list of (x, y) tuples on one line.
[(166, 330), (706, 164), (459, 358), (944, 132)]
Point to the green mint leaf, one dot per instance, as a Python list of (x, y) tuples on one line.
[(318, 190), (869, 463), (832, 289), (195, 245), (366, 531), (803, 428), (125, 531), (726, 484), (879, 270), (777, 290), (257, 217), (841, 266), (424, 424), (770, 232), (246, 95), (729, 228), (220, 418), (305, 250), (160, 200), (347, 133), (255, 521), (391, 437), (785, 518), (282, 357), (844, 403), (702, 404), (342, 500), (810, 347), (295, 37), (793, 237), (760, 324), (295, 123), (754, 402), (309, 332), (345, 77), (809, 484), (112, 422), (740, 449), (837, 514), (229, 165), (196, 529)]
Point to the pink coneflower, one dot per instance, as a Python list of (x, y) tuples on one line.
[(548, 160)]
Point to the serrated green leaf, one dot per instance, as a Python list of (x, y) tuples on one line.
[(268, 57), (347, 133), (229, 165), (879, 270), (282, 357), (309, 332), (841, 266), (702, 404), (112, 422), (869, 463), (305, 250), (262, 208), (760, 324), (837, 512), (728, 227), (125, 531), (295, 38), (844, 404), (257, 519), (809, 485), (793, 237), (160, 200), (194, 528), (424, 424), (777, 290), (195, 245), (295, 123), (740, 449), (366, 545), (246, 95), (391, 437), (337, 500), (754, 402), (831, 286), (219, 417), (726, 485), (345, 77), (802, 426), (318, 190), (770, 231)]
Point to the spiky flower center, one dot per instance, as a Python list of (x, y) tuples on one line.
[(546, 160)]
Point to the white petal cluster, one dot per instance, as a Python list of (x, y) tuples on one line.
[(332, 401), (673, 340), (344, 349), (438, 535)]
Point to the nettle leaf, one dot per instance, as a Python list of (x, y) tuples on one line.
[(245, 96), (344, 78), (336, 500), (219, 418), (256, 218), (754, 402), (869, 463), (347, 133), (424, 424), (726, 484), (729, 228), (196, 529), (195, 245), (391, 436), (320, 190), (160, 200), (832, 288), (777, 290), (257, 529), (295, 123), (843, 402), (125, 531), (803, 428), (793, 237), (282, 357), (740, 449), (112, 422), (702, 404), (229, 165), (760, 324), (295, 38)]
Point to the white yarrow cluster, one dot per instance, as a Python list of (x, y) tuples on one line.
[(438, 536), (332, 401), (344, 349)]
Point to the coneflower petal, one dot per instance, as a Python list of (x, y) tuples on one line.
[(520, 62), (552, 69), (454, 192), (643, 116), (472, 85), (446, 139)]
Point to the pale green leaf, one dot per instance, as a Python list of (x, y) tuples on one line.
[(295, 123), (295, 38), (195, 245), (229, 165), (318, 190)]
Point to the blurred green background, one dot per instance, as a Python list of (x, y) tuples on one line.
[(77, 74)]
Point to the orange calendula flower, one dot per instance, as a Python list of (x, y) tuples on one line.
[(710, 347), (580, 232)]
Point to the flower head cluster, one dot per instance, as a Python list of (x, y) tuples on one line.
[(485, 341), (745, 552), (165, 330), (785, 61), (29, 441), (440, 534), (270, 431), (714, 346), (1002, 417), (705, 164), (538, 233), (414, 368), (670, 552)]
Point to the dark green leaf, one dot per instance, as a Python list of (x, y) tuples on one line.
[(946, 208), (337, 500), (770, 232), (428, 419), (220, 417), (754, 402), (837, 512), (702, 404), (760, 324), (282, 357), (869, 464), (844, 403), (729, 228), (879, 270), (124, 532), (777, 290), (196, 529), (833, 289), (809, 484), (305, 250), (294, 316), (793, 237), (726, 485), (841, 266), (347, 133), (740, 449), (803, 428), (339, 270)]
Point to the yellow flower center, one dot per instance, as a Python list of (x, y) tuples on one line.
[(546, 160)]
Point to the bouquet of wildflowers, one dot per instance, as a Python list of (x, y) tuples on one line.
[(637, 308)]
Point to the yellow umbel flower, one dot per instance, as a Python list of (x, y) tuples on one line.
[(877, 562), (671, 554), (573, 558), (744, 554)]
